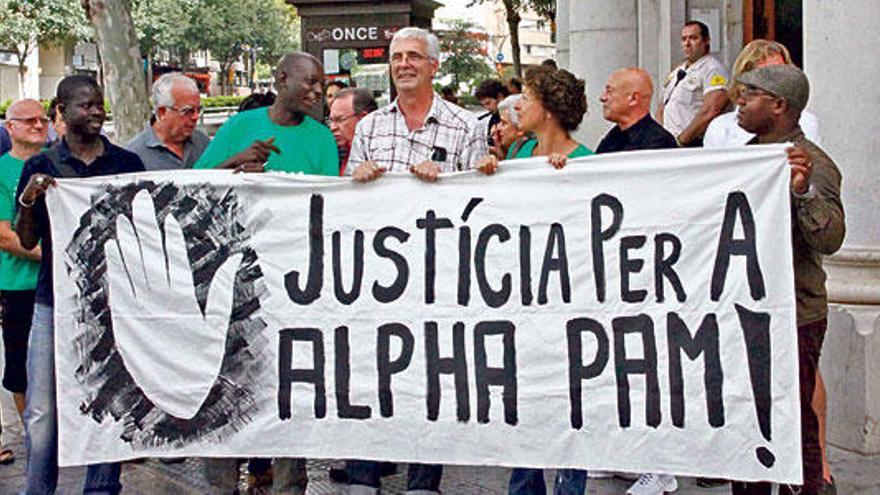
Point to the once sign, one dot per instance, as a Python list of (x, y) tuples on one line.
[(631, 312)]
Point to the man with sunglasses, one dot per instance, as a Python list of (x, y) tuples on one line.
[(171, 140)]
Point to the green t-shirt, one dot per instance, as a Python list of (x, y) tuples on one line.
[(15, 273), (308, 147), (528, 148)]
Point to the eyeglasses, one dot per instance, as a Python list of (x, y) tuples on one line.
[(340, 120), (752, 92), (411, 57), (187, 111), (30, 121)]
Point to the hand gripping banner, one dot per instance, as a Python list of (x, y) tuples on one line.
[(631, 312)]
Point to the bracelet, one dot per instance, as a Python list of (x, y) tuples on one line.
[(23, 204)]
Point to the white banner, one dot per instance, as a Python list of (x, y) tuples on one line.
[(632, 312)]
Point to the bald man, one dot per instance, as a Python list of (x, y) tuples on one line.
[(28, 126), (282, 137), (627, 103)]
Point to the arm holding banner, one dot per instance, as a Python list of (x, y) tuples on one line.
[(820, 211), (34, 189)]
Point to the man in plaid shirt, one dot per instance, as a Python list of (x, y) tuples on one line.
[(419, 131), (426, 135)]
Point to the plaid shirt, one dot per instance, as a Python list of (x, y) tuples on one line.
[(451, 137)]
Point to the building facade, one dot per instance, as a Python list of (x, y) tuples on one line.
[(836, 46)]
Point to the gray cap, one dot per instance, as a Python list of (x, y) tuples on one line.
[(784, 81)]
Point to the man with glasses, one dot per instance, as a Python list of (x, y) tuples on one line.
[(281, 137), (349, 106), (171, 140), (27, 126), (770, 106), (419, 132), (422, 134), (694, 91)]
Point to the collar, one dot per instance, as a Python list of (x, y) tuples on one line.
[(434, 114), (152, 139), (792, 136), (65, 154), (700, 61)]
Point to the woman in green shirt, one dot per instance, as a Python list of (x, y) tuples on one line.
[(552, 107)]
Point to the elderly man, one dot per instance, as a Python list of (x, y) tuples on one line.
[(172, 141), (770, 106), (627, 103), (694, 93), (349, 106), (28, 127), (281, 137), (83, 152), (419, 131)]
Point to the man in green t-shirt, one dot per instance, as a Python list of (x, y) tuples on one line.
[(281, 137), (28, 127)]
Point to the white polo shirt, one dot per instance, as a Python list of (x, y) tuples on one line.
[(683, 98)]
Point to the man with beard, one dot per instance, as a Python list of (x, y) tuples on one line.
[(282, 137)]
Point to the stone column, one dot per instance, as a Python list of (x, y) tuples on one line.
[(838, 43), (601, 38)]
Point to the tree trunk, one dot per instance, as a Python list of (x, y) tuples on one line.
[(22, 53), (513, 26), (122, 64)]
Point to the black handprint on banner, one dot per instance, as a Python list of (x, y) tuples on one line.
[(172, 350)]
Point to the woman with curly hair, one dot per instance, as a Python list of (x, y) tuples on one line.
[(552, 106)]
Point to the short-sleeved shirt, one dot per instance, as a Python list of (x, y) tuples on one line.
[(113, 161), (686, 88), (15, 273), (724, 131), (646, 134), (308, 147), (528, 148), (157, 156), (451, 137)]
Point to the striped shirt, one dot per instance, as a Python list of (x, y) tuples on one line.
[(451, 136)]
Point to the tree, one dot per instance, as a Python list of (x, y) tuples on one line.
[(122, 64), (512, 9), (25, 24), (161, 25), (465, 58), (264, 29)]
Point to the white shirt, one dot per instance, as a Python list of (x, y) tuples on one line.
[(683, 98), (725, 132), (451, 136)]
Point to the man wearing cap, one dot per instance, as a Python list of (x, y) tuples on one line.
[(694, 93), (770, 106)]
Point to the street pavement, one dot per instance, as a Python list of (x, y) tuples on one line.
[(855, 476)]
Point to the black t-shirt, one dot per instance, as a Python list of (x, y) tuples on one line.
[(115, 160), (646, 134)]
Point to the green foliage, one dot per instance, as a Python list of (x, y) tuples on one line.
[(464, 60), (231, 29), (26, 23), (222, 101), (161, 24)]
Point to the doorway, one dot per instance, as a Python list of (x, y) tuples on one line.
[(778, 20)]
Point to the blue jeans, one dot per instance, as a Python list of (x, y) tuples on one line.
[(420, 478), (525, 481), (41, 421)]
